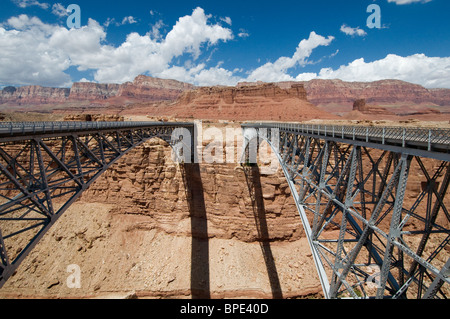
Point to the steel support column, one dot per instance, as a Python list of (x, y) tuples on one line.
[(368, 236), (44, 168)]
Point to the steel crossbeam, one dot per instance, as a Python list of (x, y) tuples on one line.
[(373, 205), (44, 168), (372, 201)]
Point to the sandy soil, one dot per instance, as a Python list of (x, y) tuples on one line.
[(119, 258)]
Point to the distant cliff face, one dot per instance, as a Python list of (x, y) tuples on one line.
[(441, 96), (143, 88), (153, 89), (238, 94), (92, 91), (247, 102), (33, 94), (379, 92), (361, 106)]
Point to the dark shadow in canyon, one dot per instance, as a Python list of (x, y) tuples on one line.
[(200, 281), (253, 179)]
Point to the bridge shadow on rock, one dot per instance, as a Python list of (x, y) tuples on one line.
[(200, 282), (253, 179)]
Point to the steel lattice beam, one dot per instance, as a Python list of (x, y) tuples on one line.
[(44, 168), (349, 185), (368, 236)]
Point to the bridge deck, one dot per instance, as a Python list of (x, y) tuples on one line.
[(384, 218), (426, 142), (334, 187), (18, 130)]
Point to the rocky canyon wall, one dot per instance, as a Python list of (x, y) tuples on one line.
[(150, 228), (33, 94), (141, 88), (145, 89), (378, 92), (259, 102), (82, 91)]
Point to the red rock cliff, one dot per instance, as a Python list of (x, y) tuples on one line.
[(33, 94), (142, 89), (379, 92), (246, 102), (238, 94), (92, 91), (153, 89)]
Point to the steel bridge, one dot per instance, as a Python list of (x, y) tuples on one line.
[(371, 200), (45, 166), (369, 237)]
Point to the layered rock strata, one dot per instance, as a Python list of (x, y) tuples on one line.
[(361, 106), (149, 228), (333, 96), (82, 91), (33, 94), (378, 92), (153, 89), (259, 102), (142, 88)]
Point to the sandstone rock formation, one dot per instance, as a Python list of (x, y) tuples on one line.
[(240, 94), (398, 97), (143, 229), (378, 92), (146, 88), (361, 110), (144, 95), (33, 94), (143, 88), (260, 102), (82, 91), (361, 106)]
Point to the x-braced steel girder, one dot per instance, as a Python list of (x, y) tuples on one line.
[(374, 207), (44, 168)]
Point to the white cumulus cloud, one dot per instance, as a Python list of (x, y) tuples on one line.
[(430, 72), (33, 52), (129, 20), (26, 57), (227, 20), (401, 2), (277, 71), (59, 10), (243, 33), (353, 31), (29, 3)]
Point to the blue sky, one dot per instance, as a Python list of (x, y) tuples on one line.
[(223, 43)]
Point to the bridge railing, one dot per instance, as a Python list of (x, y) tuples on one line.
[(364, 193), (18, 128), (426, 137)]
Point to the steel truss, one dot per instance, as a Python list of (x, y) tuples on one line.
[(44, 168), (375, 214)]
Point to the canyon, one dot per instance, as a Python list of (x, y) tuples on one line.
[(151, 228), (161, 97), (263, 102), (143, 88)]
